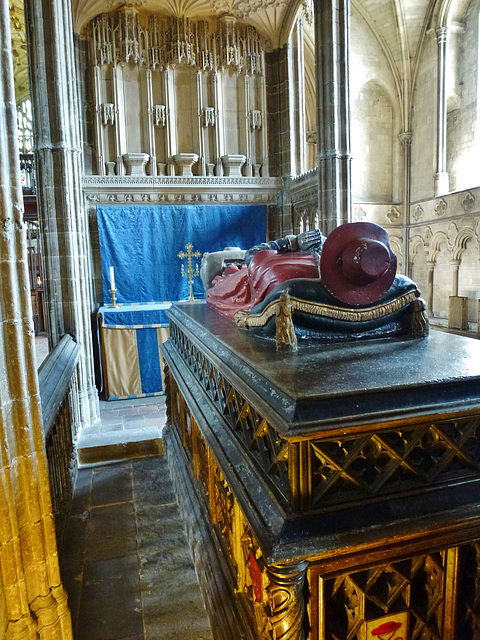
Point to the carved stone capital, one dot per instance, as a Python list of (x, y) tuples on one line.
[(405, 138), (442, 35)]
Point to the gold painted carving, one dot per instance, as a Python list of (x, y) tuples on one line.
[(285, 329), (327, 311), (419, 326), (190, 272), (286, 601), (417, 585)]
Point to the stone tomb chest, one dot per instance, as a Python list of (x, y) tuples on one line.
[(330, 493)]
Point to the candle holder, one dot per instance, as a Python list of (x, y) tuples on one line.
[(114, 304)]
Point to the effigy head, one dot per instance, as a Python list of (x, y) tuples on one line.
[(357, 264)]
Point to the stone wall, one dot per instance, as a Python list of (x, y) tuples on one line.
[(444, 240), (463, 135), (376, 150), (424, 123)]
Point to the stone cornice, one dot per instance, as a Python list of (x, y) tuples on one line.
[(171, 189)]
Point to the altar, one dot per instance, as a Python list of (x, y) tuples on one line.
[(130, 339), (332, 492)]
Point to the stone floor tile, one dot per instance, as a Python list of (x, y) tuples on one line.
[(152, 484), (149, 408), (137, 422), (121, 568), (114, 426), (110, 417), (110, 610), (131, 576), (113, 483), (111, 532), (128, 411)]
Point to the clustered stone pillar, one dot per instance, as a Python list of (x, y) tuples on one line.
[(406, 140), (62, 215), (33, 601), (441, 176), (332, 28)]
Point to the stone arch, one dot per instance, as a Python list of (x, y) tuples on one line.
[(419, 267), (397, 248), (460, 243), (466, 250), (440, 254), (438, 241), (418, 245)]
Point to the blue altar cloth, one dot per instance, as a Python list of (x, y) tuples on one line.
[(135, 316), (131, 336), (142, 243)]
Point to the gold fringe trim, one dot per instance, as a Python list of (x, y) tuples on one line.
[(247, 320)]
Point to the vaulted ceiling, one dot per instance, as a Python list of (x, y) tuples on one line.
[(398, 25)]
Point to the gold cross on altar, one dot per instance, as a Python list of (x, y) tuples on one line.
[(190, 273)]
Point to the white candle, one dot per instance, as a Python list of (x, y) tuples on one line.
[(112, 279)]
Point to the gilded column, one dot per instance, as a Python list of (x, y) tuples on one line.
[(286, 601), (441, 176), (33, 601), (62, 216), (332, 30)]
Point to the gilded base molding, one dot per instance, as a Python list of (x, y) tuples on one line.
[(229, 616)]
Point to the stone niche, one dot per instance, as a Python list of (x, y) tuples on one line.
[(158, 91)]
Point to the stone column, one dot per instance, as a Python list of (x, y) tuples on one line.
[(120, 142), (332, 29), (406, 140), (62, 215), (285, 599), (151, 126), (300, 63), (171, 126), (441, 176), (219, 133), (201, 130), (263, 98), (430, 274), (33, 601), (248, 145), (99, 125), (455, 272)]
